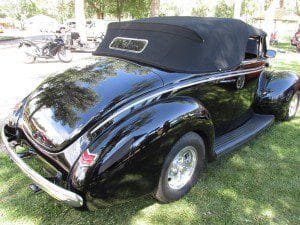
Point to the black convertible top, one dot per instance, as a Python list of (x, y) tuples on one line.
[(183, 44)]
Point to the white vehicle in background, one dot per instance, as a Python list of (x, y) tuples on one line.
[(41, 23), (95, 28)]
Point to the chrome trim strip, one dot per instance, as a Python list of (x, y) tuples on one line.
[(145, 41), (174, 88), (53, 190)]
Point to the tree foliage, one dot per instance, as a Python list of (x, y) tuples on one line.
[(97, 7), (118, 8), (224, 10), (200, 10), (65, 9), (21, 9), (154, 7), (249, 8)]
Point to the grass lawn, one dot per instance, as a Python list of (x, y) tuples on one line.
[(257, 184), (7, 38), (284, 46)]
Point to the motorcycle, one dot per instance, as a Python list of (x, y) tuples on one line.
[(74, 43), (53, 47), (274, 39), (295, 41)]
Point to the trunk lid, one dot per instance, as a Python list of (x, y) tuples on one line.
[(65, 104)]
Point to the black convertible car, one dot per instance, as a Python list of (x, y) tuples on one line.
[(166, 95)]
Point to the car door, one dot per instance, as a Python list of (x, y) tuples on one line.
[(245, 84), (217, 96)]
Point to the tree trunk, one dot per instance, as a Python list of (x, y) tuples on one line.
[(269, 25), (80, 20), (237, 9), (100, 15), (154, 9), (281, 3), (119, 9)]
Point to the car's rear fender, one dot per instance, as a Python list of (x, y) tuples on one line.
[(274, 92), (132, 152)]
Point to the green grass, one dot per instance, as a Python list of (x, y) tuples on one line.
[(259, 183), (292, 65), (7, 38), (284, 46)]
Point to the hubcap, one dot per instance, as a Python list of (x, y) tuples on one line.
[(240, 82), (293, 105), (182, 167)]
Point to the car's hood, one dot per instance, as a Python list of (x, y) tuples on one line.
[(66, 104)]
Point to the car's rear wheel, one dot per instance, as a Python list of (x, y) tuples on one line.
[(181, 168)]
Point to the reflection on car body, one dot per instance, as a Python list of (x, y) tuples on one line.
[(146, 121)]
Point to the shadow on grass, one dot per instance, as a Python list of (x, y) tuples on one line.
[(259, 183)]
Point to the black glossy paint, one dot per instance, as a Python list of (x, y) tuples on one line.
[(132, 152), (274, 92), (65, 105), (57, 119)]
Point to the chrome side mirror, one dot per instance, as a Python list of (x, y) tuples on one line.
[(270, 53)]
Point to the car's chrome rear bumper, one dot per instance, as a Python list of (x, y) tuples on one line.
[(52, 189)]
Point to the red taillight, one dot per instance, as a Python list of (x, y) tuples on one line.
[(87, 158)]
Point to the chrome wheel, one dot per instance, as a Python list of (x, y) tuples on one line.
[(240, 82), (293, 105), (182, 167)]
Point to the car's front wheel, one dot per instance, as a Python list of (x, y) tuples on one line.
[(292, 106), (181, 168)]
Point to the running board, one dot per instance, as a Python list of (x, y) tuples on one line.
[(244, 133)]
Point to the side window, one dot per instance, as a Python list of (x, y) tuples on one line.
[(252, 48)]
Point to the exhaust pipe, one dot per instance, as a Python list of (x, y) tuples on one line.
[(34, 188)]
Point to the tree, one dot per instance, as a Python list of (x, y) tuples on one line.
[(269, 17), (237, 9), (154, 8), (224, 10), (281, 3), (21, 9), (200, 9), (102, 7), (118, 8), (137, 8), (249, 8), (98, 7), (80, 19), (65, 9)]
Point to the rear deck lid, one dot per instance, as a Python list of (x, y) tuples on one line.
[(65, 104)]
